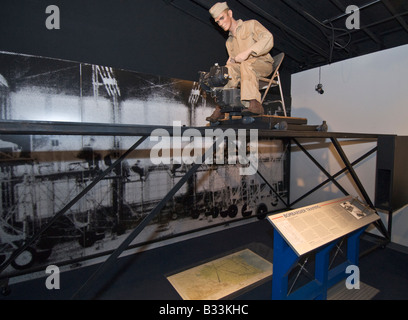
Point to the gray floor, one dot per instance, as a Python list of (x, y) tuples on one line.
[(383, 272), (340, 292)]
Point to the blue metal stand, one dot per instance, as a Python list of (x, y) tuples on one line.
[(285, 259)]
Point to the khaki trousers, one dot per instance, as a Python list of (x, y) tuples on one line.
[(247, 73)]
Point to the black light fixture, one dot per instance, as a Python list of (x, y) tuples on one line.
[(319, 87)]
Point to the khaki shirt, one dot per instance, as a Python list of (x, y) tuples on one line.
[(250, 34)]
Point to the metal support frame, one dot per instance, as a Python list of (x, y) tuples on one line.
[(352, 172), (269, 185), (81, 293), (36, 236), (350, 168), (380, 226), (144, 131), (332, 177)]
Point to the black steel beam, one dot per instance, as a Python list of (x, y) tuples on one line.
[(391, 9), (107, 129), (324, 53), (81, 293), (279, 44), (334, 176), (321, 167), (364, 28), (312, 20), (76, 128), (360, 186), (271, 187), (354, 175), (398, 15)]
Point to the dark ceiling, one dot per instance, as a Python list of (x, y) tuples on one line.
[(313, 32)]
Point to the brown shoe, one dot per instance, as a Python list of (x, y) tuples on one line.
[(255, 108), (216, 115)]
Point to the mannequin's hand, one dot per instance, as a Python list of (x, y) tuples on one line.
[(243, 56)]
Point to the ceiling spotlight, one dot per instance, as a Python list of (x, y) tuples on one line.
[(319, 88)]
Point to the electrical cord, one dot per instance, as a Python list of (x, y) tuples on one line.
[(333, 44)]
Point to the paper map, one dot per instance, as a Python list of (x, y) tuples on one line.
[(221, 277)]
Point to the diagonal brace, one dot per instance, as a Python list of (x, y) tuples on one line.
[(118, 251), (269, 185), (68, 206), (360, 186), (334, 176), (350, 168), (330, 177)]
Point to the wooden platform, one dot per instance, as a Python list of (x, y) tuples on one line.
[(269, 122)]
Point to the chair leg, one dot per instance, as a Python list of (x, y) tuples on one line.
[(281, 94), (267, 88)]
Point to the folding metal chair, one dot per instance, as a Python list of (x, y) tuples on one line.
[(274, 80)]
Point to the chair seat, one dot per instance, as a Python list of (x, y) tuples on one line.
[(264, 83)]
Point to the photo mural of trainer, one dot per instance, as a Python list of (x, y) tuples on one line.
[(40, 174)]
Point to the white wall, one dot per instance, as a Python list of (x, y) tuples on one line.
[(367, 94)]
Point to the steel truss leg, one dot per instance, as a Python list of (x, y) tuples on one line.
[(364, 156), (380, 226), (270, 186), (268, 183), (321, 168), (348, 167), (69, 205), (281, 93), (80, 294)]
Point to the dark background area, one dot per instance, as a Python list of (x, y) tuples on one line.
[(153, 37), (178, 38), (145, 36)]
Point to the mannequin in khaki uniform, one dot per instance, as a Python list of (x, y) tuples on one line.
[(248, 47)]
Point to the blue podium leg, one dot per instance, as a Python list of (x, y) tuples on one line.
[(353, 251), (322, 270), (284, 259), (353, 246)]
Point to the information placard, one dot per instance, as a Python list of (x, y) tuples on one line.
[(308, 228)]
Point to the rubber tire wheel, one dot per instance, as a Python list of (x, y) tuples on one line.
[(224, 213), (195, 214), (261, 211), (232, 211), (29, 255), (87, 239)]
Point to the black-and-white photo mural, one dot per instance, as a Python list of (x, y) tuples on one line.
[(40, 174)]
